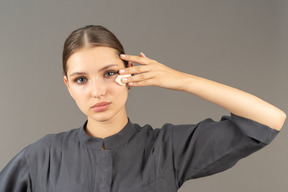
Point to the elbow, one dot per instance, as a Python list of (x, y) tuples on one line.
[(284, 116), (280, 120)]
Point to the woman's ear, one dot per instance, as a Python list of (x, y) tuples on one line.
[(130, 64), (66, 81), (67, 84)]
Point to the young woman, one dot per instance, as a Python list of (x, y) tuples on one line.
[(110, 153)]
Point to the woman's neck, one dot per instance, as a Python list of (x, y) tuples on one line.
[(107, 128)]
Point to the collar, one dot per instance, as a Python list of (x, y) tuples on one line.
[(111, 142)]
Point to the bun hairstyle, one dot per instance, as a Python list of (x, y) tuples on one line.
[(88, 37)]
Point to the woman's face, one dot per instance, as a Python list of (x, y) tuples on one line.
[(91, 74)]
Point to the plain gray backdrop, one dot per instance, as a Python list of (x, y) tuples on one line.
[(242, 43)]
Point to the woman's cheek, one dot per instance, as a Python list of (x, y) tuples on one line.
[(79, 92), (119, 88)]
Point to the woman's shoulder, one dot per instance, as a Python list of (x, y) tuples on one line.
[(51, 141), (155, 131)]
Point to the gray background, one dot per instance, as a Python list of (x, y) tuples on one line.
[(240, 43)]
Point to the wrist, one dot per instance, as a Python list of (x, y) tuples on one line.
[(186, 82)]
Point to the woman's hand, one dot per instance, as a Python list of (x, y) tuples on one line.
[(151, 73)]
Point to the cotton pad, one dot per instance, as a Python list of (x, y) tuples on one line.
[(118, 79)]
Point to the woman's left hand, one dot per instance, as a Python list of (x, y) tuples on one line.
[(151, 73)]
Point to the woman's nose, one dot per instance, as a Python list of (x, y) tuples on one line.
[(98, 89)]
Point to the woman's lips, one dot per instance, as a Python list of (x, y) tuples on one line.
[(103, 106)]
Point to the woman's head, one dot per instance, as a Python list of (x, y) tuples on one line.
[(91, 62), (89, 37)]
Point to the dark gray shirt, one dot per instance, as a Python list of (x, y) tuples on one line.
[(137, 159)]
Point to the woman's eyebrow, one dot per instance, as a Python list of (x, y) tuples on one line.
[(77, 73), (108, 66), (102, 69)]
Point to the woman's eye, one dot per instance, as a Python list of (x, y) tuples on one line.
[(80, 80), (110, 73)]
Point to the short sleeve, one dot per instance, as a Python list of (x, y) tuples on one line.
[(210, 147), (15, 176)]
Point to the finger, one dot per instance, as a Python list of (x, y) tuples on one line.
[(134, 70), (142, 54), (138, 78), (136, 59), (148, 82)]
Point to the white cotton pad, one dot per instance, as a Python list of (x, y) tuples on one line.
[(118, 79)]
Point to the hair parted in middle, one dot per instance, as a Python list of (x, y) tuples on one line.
[(88, 37)]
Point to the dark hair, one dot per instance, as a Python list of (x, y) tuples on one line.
[(90, 36)]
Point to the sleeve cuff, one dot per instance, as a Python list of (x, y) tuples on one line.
[(253, 129)]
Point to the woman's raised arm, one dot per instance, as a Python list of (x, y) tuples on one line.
[(153, 73)]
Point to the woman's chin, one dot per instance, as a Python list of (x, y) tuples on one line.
[(107, 115), (100, 118)]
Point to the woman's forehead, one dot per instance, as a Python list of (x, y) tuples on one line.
[(93, 59)]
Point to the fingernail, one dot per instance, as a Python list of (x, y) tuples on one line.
[(121, 71), (123, 55), (124, 80), (143, 54), (131, 83)]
